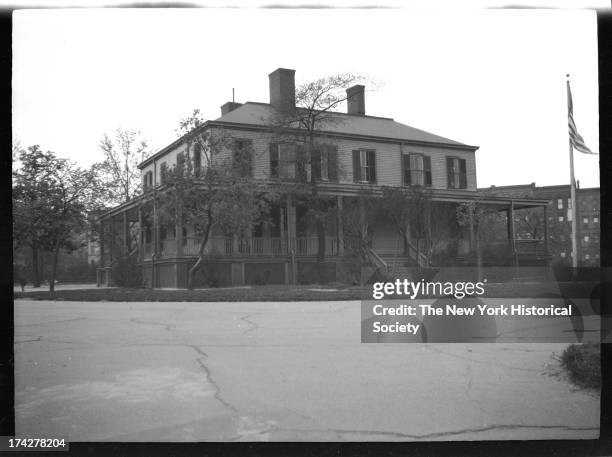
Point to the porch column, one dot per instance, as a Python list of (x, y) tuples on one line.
[(511, 234), (340, 227), (281, 226), (179, 233), (291, 229), (102, 243), (112, 238), (140, 237), (125, 246), (545, 230)]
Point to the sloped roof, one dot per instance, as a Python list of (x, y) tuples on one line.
[(263, 114)]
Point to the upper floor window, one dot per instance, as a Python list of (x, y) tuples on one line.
[(416, 170), (163, 172), (595, 219), (242, 157), (147, 180), (364, 165), (180, 162), (559, 203), (457, 176), (324, 162), (569, 203), (197, 159), (282, 160), (585, 221)]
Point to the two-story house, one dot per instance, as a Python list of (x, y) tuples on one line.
[(364, 152)]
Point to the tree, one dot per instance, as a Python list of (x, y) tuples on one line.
[(119, 170), (215, 194), (359, 215), (50, 198), (33, 185), (315, 104)]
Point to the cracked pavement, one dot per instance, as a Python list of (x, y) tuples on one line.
[(275, 371)]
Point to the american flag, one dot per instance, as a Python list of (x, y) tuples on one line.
[(575, 138)]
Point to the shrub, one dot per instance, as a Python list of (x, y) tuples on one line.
[(582, 362), (126, 272)]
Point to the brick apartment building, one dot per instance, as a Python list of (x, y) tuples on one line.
[(559, 221)]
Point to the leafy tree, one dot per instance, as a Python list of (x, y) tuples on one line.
[(119, 171), (315, 104), (50, 198), (216, 194)]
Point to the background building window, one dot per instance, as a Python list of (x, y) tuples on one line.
[(586, 238), (563, 255), (595, 219), (559, 203), (561, 218)]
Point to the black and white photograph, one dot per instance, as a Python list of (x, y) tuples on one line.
[(306, 224)]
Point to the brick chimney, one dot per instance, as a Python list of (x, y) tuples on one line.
[(229, 106), (282, 89), (355, 100)]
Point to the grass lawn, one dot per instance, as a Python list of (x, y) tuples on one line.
[(292, 293)]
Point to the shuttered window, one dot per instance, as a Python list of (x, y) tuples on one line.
[(457, 176), (282, 160), (416, 170), (197, 159), (242, 157), (364, 165), (324, 163)]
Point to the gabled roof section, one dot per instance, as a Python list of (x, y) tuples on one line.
[(262, 115)]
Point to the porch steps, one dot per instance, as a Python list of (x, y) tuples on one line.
[(399, 266)]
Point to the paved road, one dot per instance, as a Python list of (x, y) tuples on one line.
[(275, 371)]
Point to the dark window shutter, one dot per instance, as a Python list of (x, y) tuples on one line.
[(372, 166), (180, 163), (300, 163), (427, 170), (274, 160), (144, 181), (406, 169), (449, 173), (356, 167), (315, 161), (332, 163), (462, 174)]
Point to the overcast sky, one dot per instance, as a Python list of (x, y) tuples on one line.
[(493, 78)]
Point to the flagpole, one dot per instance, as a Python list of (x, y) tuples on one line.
[(573, 209)]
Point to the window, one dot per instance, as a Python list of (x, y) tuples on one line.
[(324, 162), (569, 203), (282, 160), (561, 218), (457, 178), (569, 215), (197, 159), (595, 220), (416, 170), (163, 172), (586, 238), (242, 157), (587, 257), (585, 220), (147, 180), (364, 165), (559, 203), (563, 255), (180, 163)]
